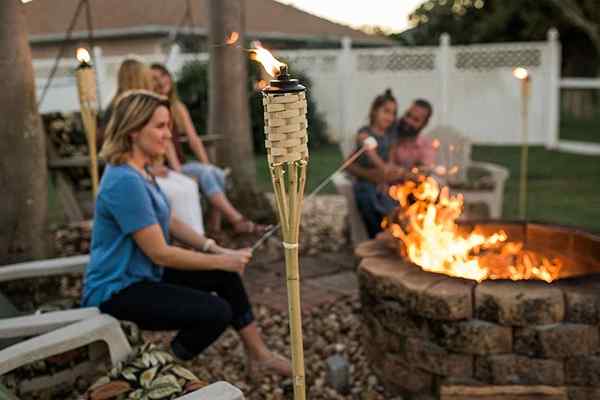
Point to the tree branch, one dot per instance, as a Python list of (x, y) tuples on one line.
[(575, 15)]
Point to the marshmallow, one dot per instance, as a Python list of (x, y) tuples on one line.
[(370, 143)]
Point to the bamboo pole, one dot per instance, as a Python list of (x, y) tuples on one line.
[(86, 87), (285, 127), (525, 89)]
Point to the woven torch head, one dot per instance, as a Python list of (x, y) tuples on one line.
[(284, 102)]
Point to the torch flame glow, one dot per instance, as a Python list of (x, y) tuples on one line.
[(521, 73), (264, 56), (425, 226), (83, 56)]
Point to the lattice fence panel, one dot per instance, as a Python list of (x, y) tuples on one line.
[(485, 60)]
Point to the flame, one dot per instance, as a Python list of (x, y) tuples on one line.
[(264, 56), (232, 38), (83, 56), (521, 73), (425, 224), (261, 84)]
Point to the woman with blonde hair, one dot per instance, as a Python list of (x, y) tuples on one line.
[(135, 274), (210, 178), (181, 190)]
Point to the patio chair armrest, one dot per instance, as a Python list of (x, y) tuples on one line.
[(498, 172), (101, 327), (35, 324), (34, 269), (216, 391)]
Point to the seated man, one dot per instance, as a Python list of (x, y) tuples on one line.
[(408, 149)]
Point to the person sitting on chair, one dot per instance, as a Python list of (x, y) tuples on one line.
[(369, 170), (135, 274), (211, 178), (400, 149)]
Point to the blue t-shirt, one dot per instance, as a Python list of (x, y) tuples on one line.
[(126, 203)]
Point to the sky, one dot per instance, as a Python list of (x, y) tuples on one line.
[(390, 14)]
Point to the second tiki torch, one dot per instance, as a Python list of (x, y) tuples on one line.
[(86, 88)]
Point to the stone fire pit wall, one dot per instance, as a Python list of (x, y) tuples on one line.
[(430, 336)]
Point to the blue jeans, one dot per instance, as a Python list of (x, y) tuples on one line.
[(372, 205), (184, 301), (211, 179)]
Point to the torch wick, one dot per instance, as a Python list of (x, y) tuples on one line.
[(283, 73)]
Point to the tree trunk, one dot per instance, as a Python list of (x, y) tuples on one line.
[(23, 175), (228, 100)]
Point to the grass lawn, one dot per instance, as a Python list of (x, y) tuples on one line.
[(563, 188), (579, 129), (323, 162)]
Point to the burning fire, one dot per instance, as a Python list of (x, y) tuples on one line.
[(83, 56), (430, 237), (264, 56)]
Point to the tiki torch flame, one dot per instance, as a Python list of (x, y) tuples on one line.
[(264, 56), (521, 73), (83, 56)]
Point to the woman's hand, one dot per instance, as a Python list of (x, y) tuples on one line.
[(235, 262)]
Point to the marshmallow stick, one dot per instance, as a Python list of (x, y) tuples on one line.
[(369, 143)]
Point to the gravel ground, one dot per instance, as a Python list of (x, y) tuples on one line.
[(330, 330)]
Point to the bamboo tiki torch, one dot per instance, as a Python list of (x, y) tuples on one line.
[(523, 75), (86, 87), (284, 102)]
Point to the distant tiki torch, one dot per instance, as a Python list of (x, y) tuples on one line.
[(523, 75), (284, 102), (86, 87)]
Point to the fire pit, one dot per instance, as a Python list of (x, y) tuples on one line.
[(533, 336)]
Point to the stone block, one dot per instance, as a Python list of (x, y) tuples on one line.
[(556, 341), (399, 378), (395, 279), (582, 299), (433, 358), (381, 277), (583, 393), (519, 370), (450, 299), (396, 318), (583, 371), (519, 303), (511, 392), (473, 337)]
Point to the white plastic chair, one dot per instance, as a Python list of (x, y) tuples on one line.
[(58, 331), (455, 151)]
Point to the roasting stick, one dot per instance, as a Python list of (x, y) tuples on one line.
[(369, 143)]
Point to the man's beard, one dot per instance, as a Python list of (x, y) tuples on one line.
[(405, 131)]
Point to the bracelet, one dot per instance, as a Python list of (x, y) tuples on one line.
[(208, 243)]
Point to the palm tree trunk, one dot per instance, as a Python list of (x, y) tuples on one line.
[(228, 102), (23, 174)]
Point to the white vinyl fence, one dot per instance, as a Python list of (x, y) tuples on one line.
[(471, 87)]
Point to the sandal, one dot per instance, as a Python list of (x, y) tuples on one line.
[(244, 226), (275, 364)]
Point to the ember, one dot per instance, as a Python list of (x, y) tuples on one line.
[(429, 235)]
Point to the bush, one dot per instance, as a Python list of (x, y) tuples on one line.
[(192, 87)]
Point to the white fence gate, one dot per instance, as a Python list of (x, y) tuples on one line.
[(471, 87)]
